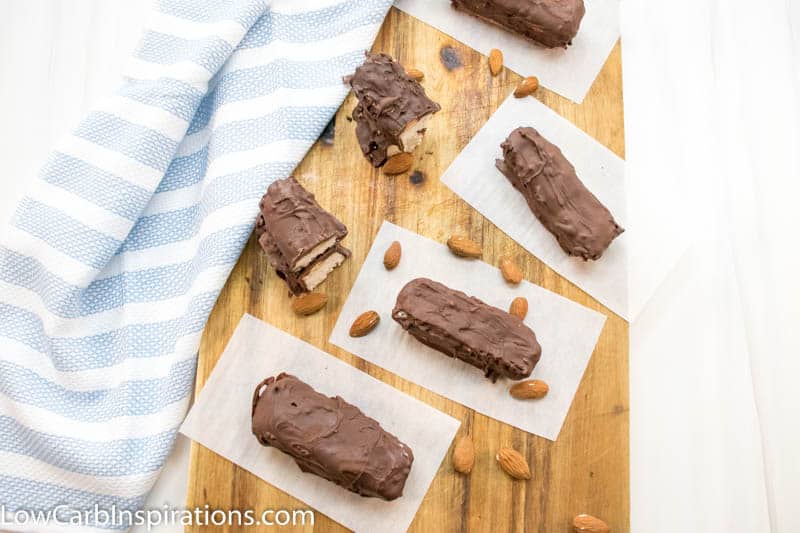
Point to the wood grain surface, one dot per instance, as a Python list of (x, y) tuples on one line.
[(587, 469)]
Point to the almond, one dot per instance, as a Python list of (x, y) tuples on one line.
[(364, 323), (584, 523), (532, 389), (463, 247), (519, 307), (392, 256), (399, 163), (513, 463), (463, 455), (415, 74), (527, 87), (511, 272), (309, 303), (495, 61)]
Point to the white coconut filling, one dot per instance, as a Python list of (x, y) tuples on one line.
[(320, 271), (410, 137), (315, 252)]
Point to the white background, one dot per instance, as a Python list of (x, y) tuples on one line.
[(712, 107)]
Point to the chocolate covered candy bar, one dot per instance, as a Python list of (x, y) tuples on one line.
[(462, 326), (550, 23), (392, 111), (300, 239), (330, 438), (580, 223)]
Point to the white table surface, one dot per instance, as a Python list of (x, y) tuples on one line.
[(712, 107)]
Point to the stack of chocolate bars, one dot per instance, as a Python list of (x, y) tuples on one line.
[(300, 239), (393, 109)]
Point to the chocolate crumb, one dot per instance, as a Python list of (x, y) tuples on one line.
[(450, 58), (417, 177)]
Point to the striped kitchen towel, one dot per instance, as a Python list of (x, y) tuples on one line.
[(113, 261)]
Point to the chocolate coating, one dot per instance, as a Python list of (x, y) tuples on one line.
[(295, 232), (389, 102), (462, 326), (330, 438), (580, 223), (550, 23)]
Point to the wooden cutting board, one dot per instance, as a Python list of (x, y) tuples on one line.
[(586, 469)]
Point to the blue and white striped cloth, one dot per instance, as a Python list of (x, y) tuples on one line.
[(114, 259)]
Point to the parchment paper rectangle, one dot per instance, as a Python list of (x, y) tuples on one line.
[(220, 421), (474, 177), (567, 332), (569, 72)]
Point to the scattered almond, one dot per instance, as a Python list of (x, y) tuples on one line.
[(399, 163), (464, 247), (495, 61), (533, 389), (527, 87), (519, 307), (415, 74), (364, 323), (464, 455), (392, 256), (513, 463), (309, 303), (511, 272), (584, 523)]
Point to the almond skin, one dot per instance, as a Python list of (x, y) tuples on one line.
[(513, 463), (464, 455), (519, 307), (398, 163), (495, 61), (527, 87), (511, 272), (415, 74), (364, 323), (584, 523), (463, 247), (392, 256), (533, 389), (309, 303)]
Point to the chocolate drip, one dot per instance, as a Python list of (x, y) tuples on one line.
[(464, 327), (330, 438), (389, 105), (580, 223), (550, 23)]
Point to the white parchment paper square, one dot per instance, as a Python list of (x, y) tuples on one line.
[(566, 330), (569, 72), (474, 177), (220, 421)]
